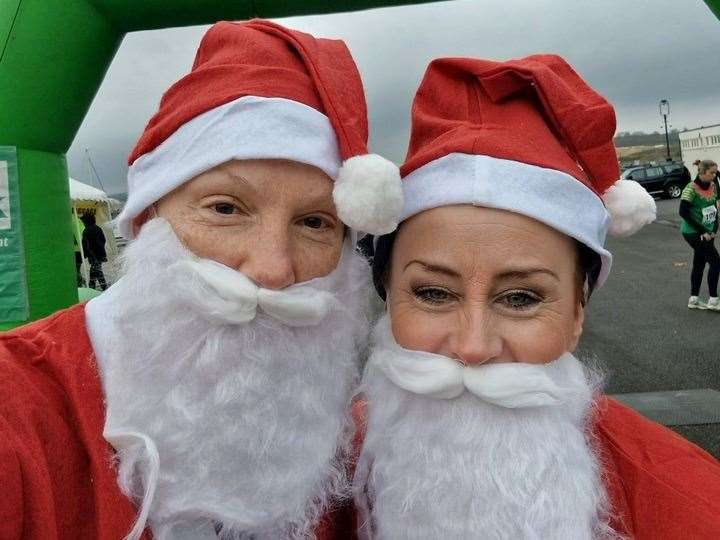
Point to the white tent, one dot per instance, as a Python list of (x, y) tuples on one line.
[(82, 193)]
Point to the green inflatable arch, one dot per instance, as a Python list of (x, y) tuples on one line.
[(53, 56)]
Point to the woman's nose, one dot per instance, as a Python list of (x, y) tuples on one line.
[(476, 341)]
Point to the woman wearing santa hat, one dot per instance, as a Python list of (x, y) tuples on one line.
[(478, 420)]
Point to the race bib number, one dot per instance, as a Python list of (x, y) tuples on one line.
[(709, 215)]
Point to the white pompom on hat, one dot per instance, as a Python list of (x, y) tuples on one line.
[(630, 207), (258, 90), (528, 136), (360, 180)]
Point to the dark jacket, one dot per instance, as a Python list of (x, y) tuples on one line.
[(93, 241)]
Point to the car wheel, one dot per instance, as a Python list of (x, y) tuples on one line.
[(673, 191)]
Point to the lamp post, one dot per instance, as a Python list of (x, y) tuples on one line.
[(664, 112)]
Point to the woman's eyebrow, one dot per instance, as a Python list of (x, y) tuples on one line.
[(435, 268), (523, 273)]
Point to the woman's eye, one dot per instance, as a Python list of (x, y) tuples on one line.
[(224, 208), (433, 295), (520, 300), (315, 222)]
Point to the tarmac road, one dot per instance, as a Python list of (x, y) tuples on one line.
[(638, 326)]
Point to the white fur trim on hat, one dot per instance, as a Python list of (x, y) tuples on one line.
[(630, 207), (368, 194), (247, 128), (547, 195)]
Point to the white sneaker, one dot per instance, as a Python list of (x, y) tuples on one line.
[(713, 303), (696, 303)]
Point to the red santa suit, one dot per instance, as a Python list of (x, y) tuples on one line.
[(661, 486), (56, 469)]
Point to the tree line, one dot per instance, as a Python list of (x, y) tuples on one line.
[(640, 138)]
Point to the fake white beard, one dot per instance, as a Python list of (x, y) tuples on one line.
[(461, 467), (223, 420)]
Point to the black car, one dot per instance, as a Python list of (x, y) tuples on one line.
[(668, 178)]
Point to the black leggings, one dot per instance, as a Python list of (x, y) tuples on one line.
[(704, 252)]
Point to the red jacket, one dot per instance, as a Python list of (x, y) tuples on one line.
[(662, 487), (57, 480)]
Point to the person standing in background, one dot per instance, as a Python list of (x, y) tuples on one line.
[(93, 243), (698, 208)]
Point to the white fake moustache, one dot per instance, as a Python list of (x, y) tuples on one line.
[(507, 384), (236, 299)]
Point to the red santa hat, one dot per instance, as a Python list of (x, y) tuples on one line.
[(528, 136), (258, 90)]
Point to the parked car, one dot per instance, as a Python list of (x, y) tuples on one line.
[(667, 178)]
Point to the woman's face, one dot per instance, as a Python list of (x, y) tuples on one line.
[(483, 285)]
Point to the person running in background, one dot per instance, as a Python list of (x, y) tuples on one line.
[(93, 241), (698, 208)]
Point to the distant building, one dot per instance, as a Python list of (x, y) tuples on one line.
[(700, 143)]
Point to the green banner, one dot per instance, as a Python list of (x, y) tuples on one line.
[(13, 287)]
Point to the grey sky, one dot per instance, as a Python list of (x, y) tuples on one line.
[(635, 52)]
